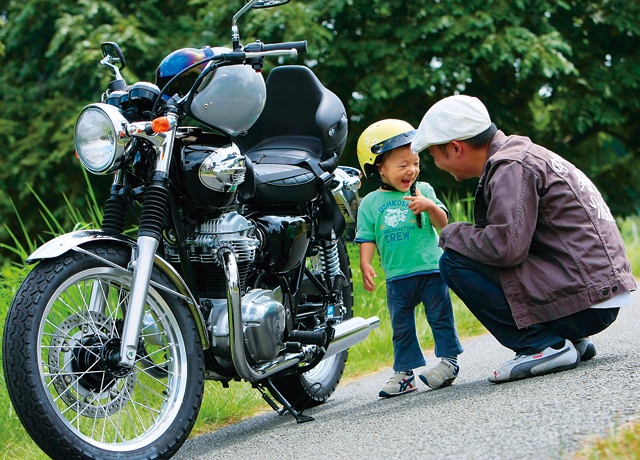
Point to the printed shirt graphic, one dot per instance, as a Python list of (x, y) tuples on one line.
[(385, 218)]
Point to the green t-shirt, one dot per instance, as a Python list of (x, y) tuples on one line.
[(384, 217)]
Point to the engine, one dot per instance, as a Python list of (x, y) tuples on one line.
[(262, 310), (231, 230)]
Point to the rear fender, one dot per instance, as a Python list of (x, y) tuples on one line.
[(75, 240)]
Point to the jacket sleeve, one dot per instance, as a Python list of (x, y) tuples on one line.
[(511, 215)]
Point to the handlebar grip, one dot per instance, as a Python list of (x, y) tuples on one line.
[(301, 46)]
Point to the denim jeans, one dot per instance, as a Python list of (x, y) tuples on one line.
[(403, 296), (479, 287)]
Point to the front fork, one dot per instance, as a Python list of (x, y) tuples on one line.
[(149, 236)]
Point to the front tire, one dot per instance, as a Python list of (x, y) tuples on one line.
[(64, 320), (316, 385)]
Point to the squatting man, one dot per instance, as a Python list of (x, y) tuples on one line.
[(544, 267)]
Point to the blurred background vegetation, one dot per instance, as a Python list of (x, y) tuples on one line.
[(564, 73)]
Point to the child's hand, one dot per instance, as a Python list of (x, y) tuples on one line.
[(419, 203), (368, 273)]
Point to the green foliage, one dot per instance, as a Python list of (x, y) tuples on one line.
[(565, 73)]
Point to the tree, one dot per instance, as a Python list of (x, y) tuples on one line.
[(564, 73)]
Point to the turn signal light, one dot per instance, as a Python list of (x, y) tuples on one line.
[(160, 125)]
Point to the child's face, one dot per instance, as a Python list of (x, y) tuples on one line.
[(400, 169)]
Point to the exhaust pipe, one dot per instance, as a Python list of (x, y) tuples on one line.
[(347, 333), (350, 333)]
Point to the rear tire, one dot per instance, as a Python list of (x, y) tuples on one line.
[(317, 385), (71, 401)]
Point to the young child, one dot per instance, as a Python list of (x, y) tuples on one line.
[(398, 219)]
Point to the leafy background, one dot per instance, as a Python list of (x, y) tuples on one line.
[(565, 73)]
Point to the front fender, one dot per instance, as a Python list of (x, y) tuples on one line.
[(75, 240)]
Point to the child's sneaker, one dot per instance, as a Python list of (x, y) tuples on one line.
[(441, 375), (547, 361), (399, 384), (586, 348)]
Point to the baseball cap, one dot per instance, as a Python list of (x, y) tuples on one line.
[(454, 118)]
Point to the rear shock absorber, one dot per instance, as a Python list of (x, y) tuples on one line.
[(330, 260), (328, 254)]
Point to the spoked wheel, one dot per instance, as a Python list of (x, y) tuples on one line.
[(318, 384), (61, 352)]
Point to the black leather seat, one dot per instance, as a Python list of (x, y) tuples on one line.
[(299, 134)]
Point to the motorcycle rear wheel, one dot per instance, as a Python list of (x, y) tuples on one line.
[(72, 402), (316, 385)]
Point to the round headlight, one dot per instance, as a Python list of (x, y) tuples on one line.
[(99, 137)]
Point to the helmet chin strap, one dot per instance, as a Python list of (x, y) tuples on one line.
[(412, 190)]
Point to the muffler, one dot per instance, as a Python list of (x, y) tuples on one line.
[(350, 333)]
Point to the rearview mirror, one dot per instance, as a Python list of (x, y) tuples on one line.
[(112, 51)]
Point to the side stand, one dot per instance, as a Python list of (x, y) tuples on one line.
[(300, 418)]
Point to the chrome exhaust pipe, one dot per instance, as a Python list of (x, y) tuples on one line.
[(347, 333), (350, 333)]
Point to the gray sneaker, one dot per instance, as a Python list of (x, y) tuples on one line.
[(399, 384), (547, 361), (441, 375), (586, 348)]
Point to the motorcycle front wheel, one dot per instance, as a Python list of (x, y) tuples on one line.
[(315, 386), (64, 323)]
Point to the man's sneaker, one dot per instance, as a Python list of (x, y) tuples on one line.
[(545, 362), (399, 384), (586, 348), (441, 375)]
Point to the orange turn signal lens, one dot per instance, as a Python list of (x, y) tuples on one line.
[(160, 125)]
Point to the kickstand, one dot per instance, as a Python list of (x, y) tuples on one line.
[(299, 416)]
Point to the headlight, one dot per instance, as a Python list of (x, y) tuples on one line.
[(100, 138)]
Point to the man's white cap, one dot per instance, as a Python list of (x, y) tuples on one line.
[(454, 118)]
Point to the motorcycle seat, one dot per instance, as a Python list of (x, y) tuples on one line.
[(283, 170)]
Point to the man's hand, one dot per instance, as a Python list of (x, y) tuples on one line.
[(368, 273)]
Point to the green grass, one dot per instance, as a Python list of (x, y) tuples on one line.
[(623, 443)]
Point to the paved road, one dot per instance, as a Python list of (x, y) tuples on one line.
[(547, 417)]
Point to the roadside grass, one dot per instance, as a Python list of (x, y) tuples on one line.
[(623, 443), (223, 406)]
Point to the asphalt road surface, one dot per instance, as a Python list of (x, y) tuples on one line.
[(546, 417)]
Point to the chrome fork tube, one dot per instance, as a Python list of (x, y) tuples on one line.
[(137, 300), (148, 241)]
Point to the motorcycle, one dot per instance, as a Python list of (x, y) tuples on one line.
[(239, 270)]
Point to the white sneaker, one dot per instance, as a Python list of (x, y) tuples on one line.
[(399, 384), (441, 375), (545, 362), (586, 348)]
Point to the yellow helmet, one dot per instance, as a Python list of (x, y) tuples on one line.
[(379, 138)]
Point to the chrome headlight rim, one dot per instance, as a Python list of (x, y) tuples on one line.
[(117, 133)]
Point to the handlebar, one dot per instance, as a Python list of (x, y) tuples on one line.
[(300, 47)]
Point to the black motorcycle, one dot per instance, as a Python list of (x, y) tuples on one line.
[(239, 270)]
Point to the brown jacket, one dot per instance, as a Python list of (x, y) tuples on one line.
[(544, 224)]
